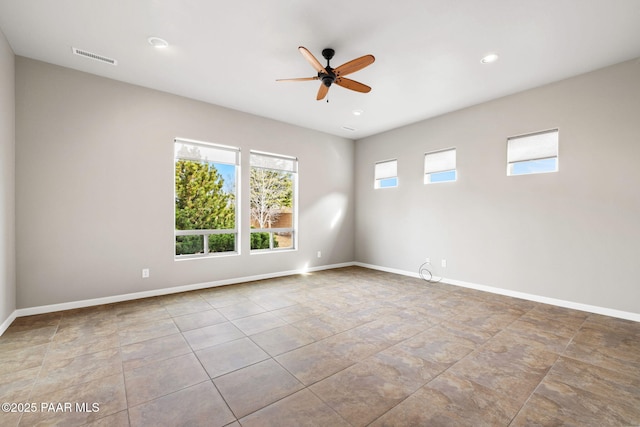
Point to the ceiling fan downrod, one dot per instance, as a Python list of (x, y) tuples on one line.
[(329, 77)]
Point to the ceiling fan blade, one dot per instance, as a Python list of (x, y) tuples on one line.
[(312, 60), (299, 79), (353, 85), (355, 65), (322, 92)]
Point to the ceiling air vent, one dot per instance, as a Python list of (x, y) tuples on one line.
[(94, 56)]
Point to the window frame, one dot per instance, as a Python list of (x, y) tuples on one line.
[(429, 172), (293, 230), (205, 233), (529, 160), (380, 175)]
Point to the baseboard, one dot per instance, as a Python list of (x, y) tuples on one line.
[(177, 289), (389, 270), (522, 295), (9, 320), (164, 291)]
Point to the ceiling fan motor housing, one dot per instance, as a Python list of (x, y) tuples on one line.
[(329, 78)]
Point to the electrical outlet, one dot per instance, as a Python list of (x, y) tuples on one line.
[(319, 254), (145, 273), (444, 263)]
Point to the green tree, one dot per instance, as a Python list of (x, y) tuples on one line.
[(201, 203)]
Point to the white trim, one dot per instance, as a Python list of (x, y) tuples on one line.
[(522, 295), (387, 269), (164, 291), (5, 325)]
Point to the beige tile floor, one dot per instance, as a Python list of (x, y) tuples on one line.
[(344, 347)]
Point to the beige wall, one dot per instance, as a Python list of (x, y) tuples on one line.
[(94, 191), (7, 182), (572, 235), (94, 178)]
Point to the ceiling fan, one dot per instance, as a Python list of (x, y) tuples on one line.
[(328, 75)]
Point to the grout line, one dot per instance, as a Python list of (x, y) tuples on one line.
[(124, 381), (559, 355), (205, 370), (224, 400)]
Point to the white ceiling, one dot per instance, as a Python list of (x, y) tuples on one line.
[(427, 52)]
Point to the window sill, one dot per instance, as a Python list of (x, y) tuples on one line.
[(205, 256), (271, 251)]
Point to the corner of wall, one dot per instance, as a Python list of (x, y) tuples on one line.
[(7, 185), (7, 322)]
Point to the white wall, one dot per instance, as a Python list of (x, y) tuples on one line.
[(572, 235), (94, 179), (7, 184)]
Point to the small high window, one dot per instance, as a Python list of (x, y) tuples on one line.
[(533, 153), (440, 166), (386, 174)]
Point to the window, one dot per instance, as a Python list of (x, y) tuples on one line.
[(533, 153), (440, 166), (386, 174), (272, 200), (206, 182)]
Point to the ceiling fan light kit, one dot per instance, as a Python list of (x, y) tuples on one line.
[(328, 75)]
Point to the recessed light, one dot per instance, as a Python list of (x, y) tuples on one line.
[(357, 112), (488, 59), (157, 42)]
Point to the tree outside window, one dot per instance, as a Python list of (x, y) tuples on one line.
[(272, 183), (205, 198)]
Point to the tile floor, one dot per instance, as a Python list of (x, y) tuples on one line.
[(344, 347)]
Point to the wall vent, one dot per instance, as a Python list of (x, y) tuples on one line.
[(94, 56)]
